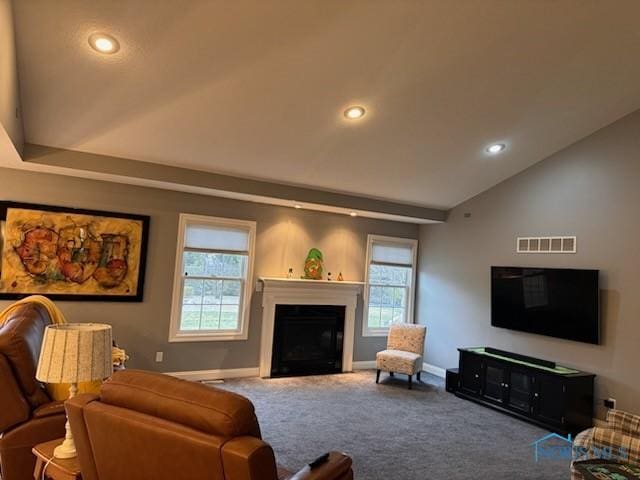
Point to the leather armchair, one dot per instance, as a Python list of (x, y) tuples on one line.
[(151, 426), (27, 414)]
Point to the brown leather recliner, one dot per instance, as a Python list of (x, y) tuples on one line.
[(27, 414), (150, 426)]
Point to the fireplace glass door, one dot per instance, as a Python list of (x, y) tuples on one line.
[(307, 340)]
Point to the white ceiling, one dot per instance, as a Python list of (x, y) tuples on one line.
[(256, 88)]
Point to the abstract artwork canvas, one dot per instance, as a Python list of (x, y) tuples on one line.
[(71, 254)]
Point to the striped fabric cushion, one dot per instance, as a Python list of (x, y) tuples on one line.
[(616, 444), (624, 422)]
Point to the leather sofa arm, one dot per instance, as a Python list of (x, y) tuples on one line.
[(337, 467), (48, 409), (75, 413), (248, 458), (14, 408)]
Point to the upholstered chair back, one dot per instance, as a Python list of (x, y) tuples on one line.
[(407, 337)]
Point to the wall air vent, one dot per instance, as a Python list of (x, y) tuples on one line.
[(546, 245)]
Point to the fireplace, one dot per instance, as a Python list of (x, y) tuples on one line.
[(283, 293), (307, 340)]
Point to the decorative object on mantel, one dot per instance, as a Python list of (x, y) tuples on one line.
[(71, 254), (73, 353), (313, 265), (555, 244), (290, 273), (340, 277), (329, 276)]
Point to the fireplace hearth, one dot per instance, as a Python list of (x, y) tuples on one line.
[(307, 340)]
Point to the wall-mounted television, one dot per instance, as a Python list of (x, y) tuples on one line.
[(557, 302)]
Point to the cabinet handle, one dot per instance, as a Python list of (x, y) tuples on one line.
[(506, 385), (535, 395), (477, 376)]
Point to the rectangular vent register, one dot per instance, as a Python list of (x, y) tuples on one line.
[(546, 244)]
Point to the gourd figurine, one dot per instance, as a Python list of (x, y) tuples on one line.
[(313, 265)]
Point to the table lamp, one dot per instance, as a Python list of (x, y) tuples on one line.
[(73, 353)]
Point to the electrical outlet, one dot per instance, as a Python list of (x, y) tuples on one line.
[(610, 403), (159, 357)]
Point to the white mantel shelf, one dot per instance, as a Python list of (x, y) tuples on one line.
[(299, 291), (303, 281)]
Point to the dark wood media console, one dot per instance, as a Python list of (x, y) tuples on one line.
[(554, 397)]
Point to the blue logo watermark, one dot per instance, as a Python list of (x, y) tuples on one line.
[(556, 447)]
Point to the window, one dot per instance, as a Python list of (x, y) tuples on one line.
[(390, 278), (212, 285)]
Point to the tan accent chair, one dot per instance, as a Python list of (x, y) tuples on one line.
[(150, 426), (405, 346), (27, 415)]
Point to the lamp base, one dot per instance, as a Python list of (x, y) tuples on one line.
[(66, 449)]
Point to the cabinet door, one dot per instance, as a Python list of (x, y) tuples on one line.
[(470, 371), (520, 387), (550, 398), (495, 381)]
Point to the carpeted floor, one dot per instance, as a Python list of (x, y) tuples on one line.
[(393, 433)]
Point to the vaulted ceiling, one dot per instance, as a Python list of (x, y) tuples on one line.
[(257, 88)]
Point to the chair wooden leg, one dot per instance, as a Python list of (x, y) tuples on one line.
[(410, 381), (418, 376), (378, 376)]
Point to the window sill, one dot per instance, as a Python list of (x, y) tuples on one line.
[(375, 333), (206, 337)]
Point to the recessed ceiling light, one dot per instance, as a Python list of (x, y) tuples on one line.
[(353, 214), (103, 43), (496, 148), (353, 113)]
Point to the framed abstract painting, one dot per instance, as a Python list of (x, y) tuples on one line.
[(71, 254)]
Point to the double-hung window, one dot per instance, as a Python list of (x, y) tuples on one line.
[(212, 285), (390, 279)]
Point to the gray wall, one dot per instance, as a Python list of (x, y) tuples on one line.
[(9, 94), (592, 190), (284, 236)]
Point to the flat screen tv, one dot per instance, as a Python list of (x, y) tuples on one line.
[(557, 302)]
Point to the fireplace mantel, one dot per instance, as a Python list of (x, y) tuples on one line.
[(279, 282), (290, 291)]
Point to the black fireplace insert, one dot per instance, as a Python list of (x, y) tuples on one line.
[(307, 340)]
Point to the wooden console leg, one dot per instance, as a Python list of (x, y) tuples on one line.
[(378, 376), (410, 381), (418, 376), (37, 473), (391, 374)]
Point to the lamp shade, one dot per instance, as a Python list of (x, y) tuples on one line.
[(75, 352)]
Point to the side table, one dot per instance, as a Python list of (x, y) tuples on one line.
[(56, 469)]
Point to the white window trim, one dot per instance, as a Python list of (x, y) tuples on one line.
[(175, 335), (371, 239)]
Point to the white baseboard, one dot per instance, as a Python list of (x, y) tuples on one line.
[(370, 364), (364, 365), (437, 371), (200, 375), (600, 423)]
